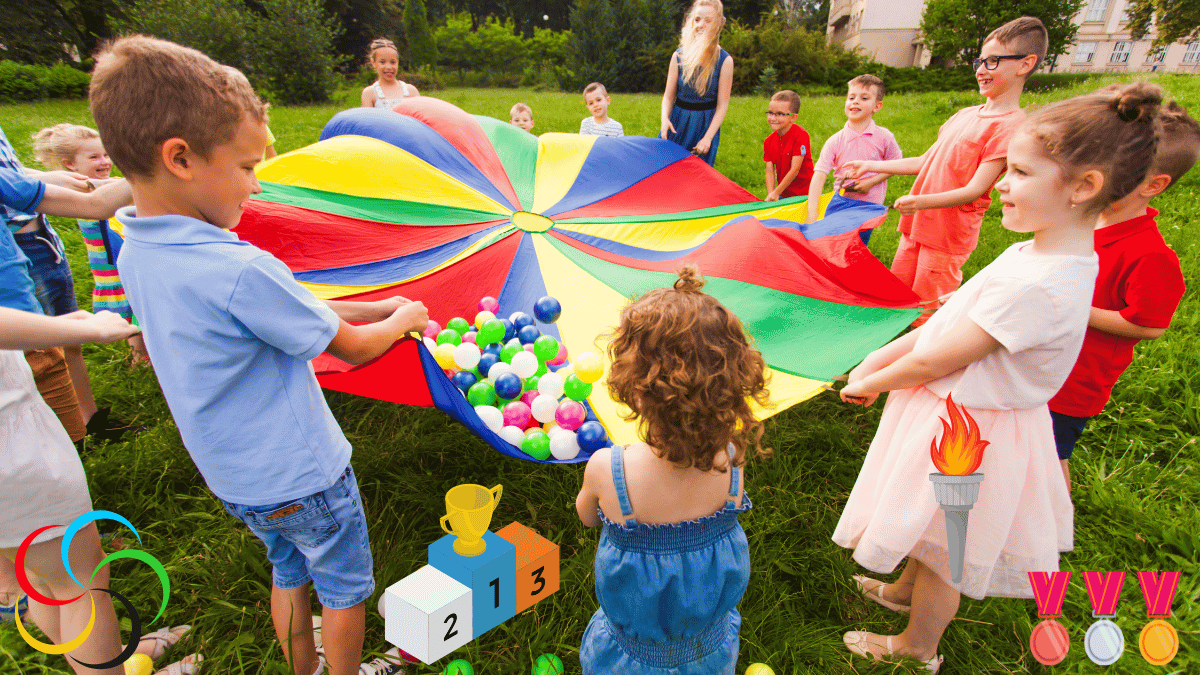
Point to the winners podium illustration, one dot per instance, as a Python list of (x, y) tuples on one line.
[(475, 579)]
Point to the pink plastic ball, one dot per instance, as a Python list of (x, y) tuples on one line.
[(469, 336), (432, 329), (527, 397), (488, 304), (561, 358), (570, 414), (517, 414), (529, 347)]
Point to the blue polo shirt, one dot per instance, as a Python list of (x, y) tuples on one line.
[(18, 192), (231, 334)]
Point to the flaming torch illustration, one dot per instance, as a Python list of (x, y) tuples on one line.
[(956, 487)]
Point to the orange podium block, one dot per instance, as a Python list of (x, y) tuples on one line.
[(537, 564)]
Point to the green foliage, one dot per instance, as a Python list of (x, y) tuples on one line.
[(51, 31), (799, 56), (20, 82), (222, 29), (954, 30), (496, 54), (1174, 20), (624, 44), (422, 47), (768, 82)]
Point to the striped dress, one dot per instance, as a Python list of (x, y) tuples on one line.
[(108, 294)]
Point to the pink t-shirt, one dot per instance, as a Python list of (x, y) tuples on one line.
[(965, 141), (875, 143)]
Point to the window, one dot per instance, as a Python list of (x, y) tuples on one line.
[(1156, 55), (1192, 54), (1096, 10), (1086, 52), (1120, 52)]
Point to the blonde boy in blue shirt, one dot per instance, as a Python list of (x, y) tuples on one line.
[(231, 332)]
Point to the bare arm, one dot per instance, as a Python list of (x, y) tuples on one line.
[(787, 178), (25, 330), (359, 344), (65, 179), (1110, 321), (906, 166), (587, 504), (97, 205), (368, 97), (815, 187), (412, 91), (668, 101), (770, 178), (985, 175), (724, 90), (366, 312), (863, 186)]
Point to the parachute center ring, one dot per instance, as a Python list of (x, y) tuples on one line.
[(531, 222)]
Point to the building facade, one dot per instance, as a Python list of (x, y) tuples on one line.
[(888, 30)]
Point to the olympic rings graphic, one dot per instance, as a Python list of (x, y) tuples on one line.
[(135, 620)]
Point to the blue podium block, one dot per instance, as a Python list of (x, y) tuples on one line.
[(491, 576)]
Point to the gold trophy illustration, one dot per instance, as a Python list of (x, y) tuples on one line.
[(469, 509), (956, 485)]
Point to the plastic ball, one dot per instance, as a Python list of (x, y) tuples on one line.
[(508, 385), (759, 669), (458, 325), (528, 396), (464, 380), (491, 331), (483, 317), (528, 334), (576, 389), (516, 414), (488, 304), (536, 445), (497, 370), (444, 355), (432, 329), (486, 362), (563, 444), (547, 309), (449, 336), (548, 664), (565, 372), (570, 415), (491, 417), (510, 331), (551, 384), (429, 344), (542, 369), (520, 319), (529, 348), (531, 382), (524, 364), (545, 348), (467, 355), (458, 666), (559, 358), (481, 393), (543, 407), (514, 435), (470, 336), (588, 367), (493, 348), (139, 664), (591, 436), (509, 351)]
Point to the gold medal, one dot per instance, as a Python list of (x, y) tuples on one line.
[(1159, 642)]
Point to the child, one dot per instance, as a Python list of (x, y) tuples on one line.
[(860, 139), (521, 115), (78, 148), (1002, 346), (231, 334), (386, 91), (1139, 286), (787, 150), (940, 218), (673, 562), (699, 83), (596, 97)]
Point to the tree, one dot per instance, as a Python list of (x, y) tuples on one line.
[(1175, 20), (50, 31), (954, 30), (422, 49), (807, 14), (293, 51)]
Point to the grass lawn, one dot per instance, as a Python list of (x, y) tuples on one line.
[(1136, 486)]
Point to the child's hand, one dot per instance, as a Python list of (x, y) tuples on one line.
[(412, 316), (771, 197), (853, 169), (702, 147), (104, 326), (666, 128), (138, 346), (388, 306), (67, 179), (852, 187), (908, 205), (855, 392)]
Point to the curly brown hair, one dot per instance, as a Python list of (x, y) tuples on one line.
[(684, 366)]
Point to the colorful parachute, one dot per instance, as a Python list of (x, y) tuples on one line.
[(442, 206)]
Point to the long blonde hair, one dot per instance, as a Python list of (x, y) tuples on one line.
[(698, 56), (56, 145)]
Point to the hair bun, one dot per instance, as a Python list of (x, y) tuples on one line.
[(1138, 102), (689, 279)]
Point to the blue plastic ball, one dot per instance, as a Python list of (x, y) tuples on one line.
[(510, 331), (528, 335), (508, 386), (547, 309), (591, 436), (521, 319), (463, 379), (493, 348), (486, 361)]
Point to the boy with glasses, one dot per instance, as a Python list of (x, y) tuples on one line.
[(940, 218), (787, 150)]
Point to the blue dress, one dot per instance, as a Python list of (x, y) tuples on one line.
[(693, 113), (668, 593)]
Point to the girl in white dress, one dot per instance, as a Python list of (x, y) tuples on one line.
[(1001, 346), (386, 91)]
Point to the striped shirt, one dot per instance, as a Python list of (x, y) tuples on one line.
[(588, 127), (108, 292)]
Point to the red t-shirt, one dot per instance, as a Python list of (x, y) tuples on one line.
[(779, 151), (1141, 277)]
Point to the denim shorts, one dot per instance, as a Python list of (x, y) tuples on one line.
[(1067, 430), (52, 281), (320, 538)]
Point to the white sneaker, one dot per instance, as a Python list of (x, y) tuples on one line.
[(391, 663)]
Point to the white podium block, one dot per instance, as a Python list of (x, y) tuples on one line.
[(427, 614)]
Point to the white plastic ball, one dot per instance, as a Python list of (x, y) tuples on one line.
[(551, 384), (466, 355), (491, 416), (515, 342), (543, 408), (512, 435), (499, 368), (430, 344), (563, 445), (524, 364)]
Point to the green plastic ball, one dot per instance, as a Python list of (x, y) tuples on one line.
[(482, 393), (536, 445), (458, 667), (531, 382), (576, 389), (548, 664), (458, 325), (508, 352), (542, 369), (545, 348), (490, 332), (449, 336)]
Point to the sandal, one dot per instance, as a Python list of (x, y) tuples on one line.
[(188, 665), (164, 639), (860, 642), (391, 663), (875, 594)]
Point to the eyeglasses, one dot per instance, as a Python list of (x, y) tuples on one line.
[(772, 113), (993, 62)]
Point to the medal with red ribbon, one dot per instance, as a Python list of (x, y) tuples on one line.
[(1104, 642), (1049, 640), (1158, 641)]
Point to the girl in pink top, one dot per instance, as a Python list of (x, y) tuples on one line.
[(1002, 346)]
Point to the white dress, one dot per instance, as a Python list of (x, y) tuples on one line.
[(382, 102), (41, 478)]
